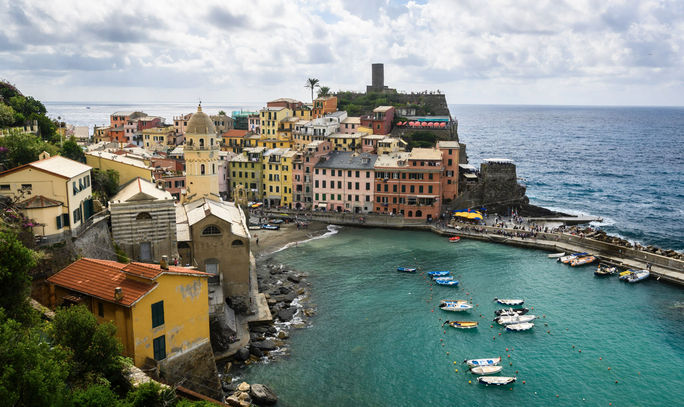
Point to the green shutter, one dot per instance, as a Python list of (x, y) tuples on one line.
[(157, 314), (59, 221), (159, 347)]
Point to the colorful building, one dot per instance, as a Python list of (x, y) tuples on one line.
[(55, 192), (346, 142), (246, 169), (344, 181), (201, 154), (380, 121), (303, 172), (129, 168), (323, 105), (158, 138), (450, 161), (233, 140), (349, 125), (277, 177), (159, 310)]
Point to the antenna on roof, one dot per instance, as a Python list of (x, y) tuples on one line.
[(199, 106)]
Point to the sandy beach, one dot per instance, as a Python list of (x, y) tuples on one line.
[(271, 240)]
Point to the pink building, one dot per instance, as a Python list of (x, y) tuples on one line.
[(302, 172), (344, 182), (349, 125), (380, 121)]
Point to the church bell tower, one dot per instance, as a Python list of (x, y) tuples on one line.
[(201, 158)]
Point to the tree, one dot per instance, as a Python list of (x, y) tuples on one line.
[(23, 148), (105, 184), (33, 371), (323, 91), (16, 261), (312, 83), (94, 346), (6, 115), (70, 149), (151, 394), (222, 113)]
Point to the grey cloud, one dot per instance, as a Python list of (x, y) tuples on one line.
[(17, 14), (124, 28), (61, 62), (655, 53), (410, 60), (224, 19), (620, 18), (319, 54), (7, 45)]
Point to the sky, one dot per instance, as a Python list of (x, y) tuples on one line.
[(575, 52)]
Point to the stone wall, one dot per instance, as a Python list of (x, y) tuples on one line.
[(194, 369), (95, 241)]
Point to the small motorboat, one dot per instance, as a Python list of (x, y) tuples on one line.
[(523, 326), (454, 239), (581, 261), (456, 301), (454, 306), (444, 278), (625, 274), (514, 319), (276, 221), (486, 370), (461, 324), (483, 362), (406, 269), (434, 274), (509, 301), (268, 226), (511, 311), (567, 259), (638, 275), (556, 255), (496, 380), (603, 270), (450, 283)]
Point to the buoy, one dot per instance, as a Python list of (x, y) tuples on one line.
[(444, 331), (499, 333), (508, 355), (510, 388), (441, 340), (491, 326), (447, 353), (600, 358), (557, 395), (457, 371), (523, 380), (455, 362), (470, 381), (510, 364), (580, 351), (532, 308), (608, 368), (507, 351), (573, 346), (616, 382), (494, 337)]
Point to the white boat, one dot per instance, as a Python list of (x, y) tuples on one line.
[(509, 301), (496, 380), (567, 259), (456, 301), (638, 275), (444, 278), (511, 311), (455, 306), (524, 326), (556, 255), (485, 370), (483, 362), (514, 319)]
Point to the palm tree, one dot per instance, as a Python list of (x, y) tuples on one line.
[(312, 83), (323, 91)]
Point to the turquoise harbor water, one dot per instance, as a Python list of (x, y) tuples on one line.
[(375, 340)]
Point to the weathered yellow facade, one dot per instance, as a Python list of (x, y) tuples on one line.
[(128, 168)]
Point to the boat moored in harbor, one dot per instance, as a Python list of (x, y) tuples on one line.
[(638, 275), (511, 311), (461, 324), (603, 270), (567, 259), (523, 326), (514, 319), (496, 380), (486, 370), (454, 306), (406, 269), (451, 282), (581, 261), (509, 301), (434, 274), (556, 255), (483, 362), (454, 239)]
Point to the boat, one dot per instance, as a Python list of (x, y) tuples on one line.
[(268, 226), (523, 326), (406, 269), (625, 274), (509, 301), (276, 221), (434, 274), (443, 278), (456, 301), (483, 362), (496, 380), (454, 239), (450, 283), (455, 306), (514, 319), (638, 275), (567, 259), (556, 255), (603, 270), (462, 324), (581, 261), (486, 370), (511, 311)]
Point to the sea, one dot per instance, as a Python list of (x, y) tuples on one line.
[(377, 337)]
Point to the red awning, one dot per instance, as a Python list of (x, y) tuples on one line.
[(412, 123), (424, 124), (430, 124), (442, 124)]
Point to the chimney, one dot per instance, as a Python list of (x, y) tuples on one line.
[(164, 263), (118, 294)]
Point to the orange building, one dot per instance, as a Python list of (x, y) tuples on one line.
[(324, 105)]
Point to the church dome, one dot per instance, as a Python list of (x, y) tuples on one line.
[(200, 123)]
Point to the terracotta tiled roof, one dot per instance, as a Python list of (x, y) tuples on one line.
[(234, 133), (99, 278), (38, 201)]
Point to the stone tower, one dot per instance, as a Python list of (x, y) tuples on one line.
[(201, 158)]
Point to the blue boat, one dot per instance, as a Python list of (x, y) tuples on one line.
[(442, 281), (406, 269), (434, 274), (270, 227)]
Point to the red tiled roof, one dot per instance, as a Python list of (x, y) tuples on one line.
[(235, 133), (99, 278), (38, 201)]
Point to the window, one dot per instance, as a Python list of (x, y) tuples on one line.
[(211, 230), (143, 216), (430, 189), (100, 309), (420, 189), (394, 188), (77, 215), (157, 314), (4, 187), (28, 186), (202, 169), (159, 346)]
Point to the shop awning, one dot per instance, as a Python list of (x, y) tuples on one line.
[(468, 214), (322, 205)]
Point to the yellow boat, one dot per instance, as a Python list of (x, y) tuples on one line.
[(462, 324)]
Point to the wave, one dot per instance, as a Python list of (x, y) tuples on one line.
[(332, 230)]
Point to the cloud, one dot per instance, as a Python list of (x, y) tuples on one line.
[(250, 49)]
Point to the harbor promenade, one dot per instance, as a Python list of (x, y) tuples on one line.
[(662, 267)]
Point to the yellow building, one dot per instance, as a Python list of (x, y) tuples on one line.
[(277, 177), (246, 169), (55, 192), (270, 120), (159, 311), (201, 158), (158, 138), (346, 142), (128, 168)]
